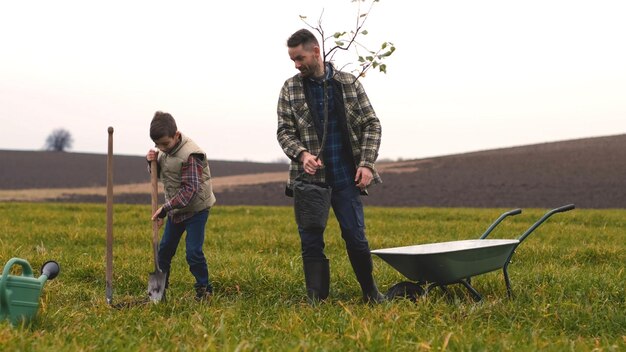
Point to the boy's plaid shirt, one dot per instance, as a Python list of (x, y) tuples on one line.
[(190, 183), (296, 130)]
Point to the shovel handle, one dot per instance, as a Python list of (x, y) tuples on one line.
[(155, 226)]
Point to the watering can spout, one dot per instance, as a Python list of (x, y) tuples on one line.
[(49, 270)]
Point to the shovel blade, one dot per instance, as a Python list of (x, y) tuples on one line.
[(156, 286)]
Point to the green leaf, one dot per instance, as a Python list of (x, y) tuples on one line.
[(369, 58), (364, 32), (386, 54), (383, 68), (384, 45), (361, 59)]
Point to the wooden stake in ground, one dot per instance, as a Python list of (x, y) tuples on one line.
[(109, 240)]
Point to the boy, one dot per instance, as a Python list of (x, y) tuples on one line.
[(183, 169)]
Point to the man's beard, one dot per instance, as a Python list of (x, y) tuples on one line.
[(309, 71)]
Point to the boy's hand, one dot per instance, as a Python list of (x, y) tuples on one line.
[(157, 218), (152, 155)]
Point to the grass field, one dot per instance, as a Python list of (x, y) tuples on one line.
[(568, 280)]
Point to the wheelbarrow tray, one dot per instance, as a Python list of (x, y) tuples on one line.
[(448, 262), (445, 263)]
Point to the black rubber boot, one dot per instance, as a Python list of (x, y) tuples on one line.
[(317, 278), (363, 268)]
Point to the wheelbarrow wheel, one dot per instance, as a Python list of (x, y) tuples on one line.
[(405, 289)]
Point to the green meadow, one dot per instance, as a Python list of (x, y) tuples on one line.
[(568, 280)]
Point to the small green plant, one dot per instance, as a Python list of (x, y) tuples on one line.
[(347, 41)]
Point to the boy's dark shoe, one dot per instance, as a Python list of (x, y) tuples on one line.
[(203, 294)]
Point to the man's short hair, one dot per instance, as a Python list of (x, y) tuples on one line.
[(163, 124), (304, 37)]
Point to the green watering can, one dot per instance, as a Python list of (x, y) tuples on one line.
[(19, 295)]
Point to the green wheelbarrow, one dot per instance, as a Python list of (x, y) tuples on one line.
[(19, 295), (455, 262)]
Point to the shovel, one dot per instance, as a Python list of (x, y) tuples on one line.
[(156, 280)]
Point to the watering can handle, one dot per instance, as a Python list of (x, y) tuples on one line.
[(26, 271)]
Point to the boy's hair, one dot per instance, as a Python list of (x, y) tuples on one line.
[(304, 37), (163, 124)]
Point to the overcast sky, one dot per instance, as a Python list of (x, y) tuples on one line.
[(466, 75)]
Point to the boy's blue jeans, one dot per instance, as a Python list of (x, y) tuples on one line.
[(348, 209), (193, 247)]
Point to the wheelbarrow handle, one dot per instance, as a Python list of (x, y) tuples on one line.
[(544, 218), (499, 220), (564, 208)]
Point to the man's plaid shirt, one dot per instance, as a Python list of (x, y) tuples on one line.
[(296, 130), (339, 172)]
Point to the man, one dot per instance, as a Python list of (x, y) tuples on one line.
[(353, 135)]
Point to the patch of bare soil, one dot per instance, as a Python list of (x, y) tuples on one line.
[(219, 184), (589, 172)]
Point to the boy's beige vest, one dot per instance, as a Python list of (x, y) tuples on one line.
[(171, 168)]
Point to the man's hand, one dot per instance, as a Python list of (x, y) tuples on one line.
[(363, 177), (310, 163)]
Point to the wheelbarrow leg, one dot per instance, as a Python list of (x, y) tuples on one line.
[(507, 281), (429, 287), (447, 293), (475, 294), (444, 289)]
